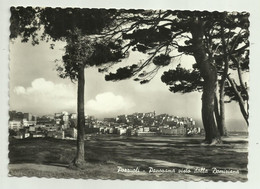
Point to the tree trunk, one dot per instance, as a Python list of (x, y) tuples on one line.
[(239, 73), (242, 84), (240, 99), (217, 114), (80, 156), (208, 105), (209, 74), (222, 125)]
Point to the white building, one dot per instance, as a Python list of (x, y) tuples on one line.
[(15, 125), (27, 123), (26, 135), (121, 131)]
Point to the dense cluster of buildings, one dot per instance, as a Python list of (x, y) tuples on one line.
[(63, 125), (149, 124), (60, 125)]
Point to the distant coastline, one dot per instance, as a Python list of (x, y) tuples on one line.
[(233, 125)]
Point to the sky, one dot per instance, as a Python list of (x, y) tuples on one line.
[(35, 87)]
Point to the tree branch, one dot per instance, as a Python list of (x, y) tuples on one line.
[(240, 99)]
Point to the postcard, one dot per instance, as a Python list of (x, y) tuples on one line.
[(129, 94)]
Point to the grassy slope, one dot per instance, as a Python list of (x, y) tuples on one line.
[(49, 158)]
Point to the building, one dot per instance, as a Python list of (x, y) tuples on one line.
[(154, 129), (149, 114), (65, 119), (180, 131), (57, 121), (121, 131), (71, 132), (58, 118), (38, 135), (131, 132), (44, 120), (52, 128), (112, 130), (15, 125), (27, 123), (140, 129), (32, 129), (146, 129), (26, 135), (90, 121)]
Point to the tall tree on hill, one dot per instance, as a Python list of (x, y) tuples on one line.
[(79, 28), (165, 35), (223, 41)]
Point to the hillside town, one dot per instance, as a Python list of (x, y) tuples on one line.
[(64, 125)]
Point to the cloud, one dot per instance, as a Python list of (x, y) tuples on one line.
[(19, 90), (45, 88), (45, 96), (108, 102)]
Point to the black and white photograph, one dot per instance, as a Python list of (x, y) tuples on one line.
[(128, 94), (131, 94)]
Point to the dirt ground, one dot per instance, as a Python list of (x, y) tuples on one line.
[(134, 158)]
